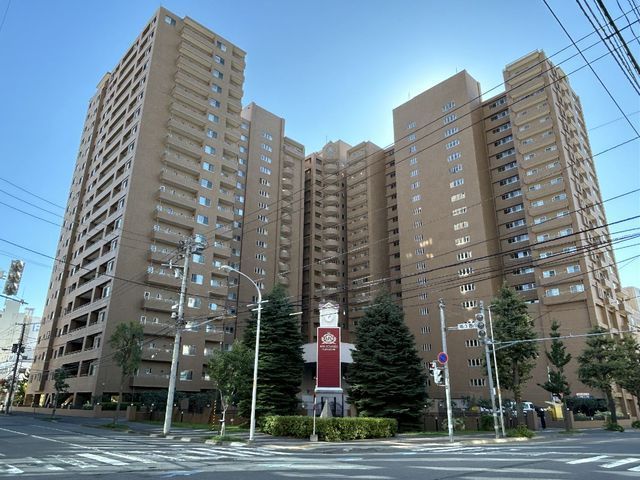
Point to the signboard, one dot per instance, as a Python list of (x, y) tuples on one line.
[(328, 368), (466, 326), (329, 315), (443, 358)]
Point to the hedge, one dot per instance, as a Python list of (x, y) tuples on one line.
[(329, 429)]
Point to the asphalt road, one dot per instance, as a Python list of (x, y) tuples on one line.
[(34, 448)]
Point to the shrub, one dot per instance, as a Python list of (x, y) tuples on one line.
[(458, 424), (520, 431), (486, 423), (329, 429), (614, 427), (635, 424)]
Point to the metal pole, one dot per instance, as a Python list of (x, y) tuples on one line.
[(447, 384), (495, 366), (254, 392), (176, 343), (7, 405), (492, 392)]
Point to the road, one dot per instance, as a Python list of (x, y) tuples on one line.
[(33, 448)]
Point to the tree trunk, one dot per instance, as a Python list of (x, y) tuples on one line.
[(612, 406), (565, 415), (517, 395), (55, 404), (223, 420), (115, 417)]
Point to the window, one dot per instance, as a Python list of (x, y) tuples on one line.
[(509, 180), (416, 198), (503, 140), (449, 118), (202, 219), (261, 243), (578, 288), (552, 292), (265, 170), (414, 173), (462, 240), (213, 118), (506, 153), (413, 160), (452, 143), (186, 375), (548, 273), (208, 167), (543, 237), (454, 156), (411, 125), (559, 197), (520, 254), (221, 46), (461, 225), (551, 148), (516, 208), (472, 343), (265, 158), (499, 115), (459, 211), (168, 20), (532, 171), (212, 133), (206, 183), (507, 166), (218, 59), (467, 287), (413, 149), (204, 201), (214, 103), (456, 183), (465, 272), (213, 306), (261, 256), (518, 238), (456, 168), (193, 302), (448, 106), (457, 197), (415, 185), (188, 350), (209, 150), (573, 269), (539, 220), (464, 255), (197, 278), (217, 74), (216, 88), (469, 304), (534, 187), (198, 258), (511, 194), (537, 203), (266, 147), (565, 232), (451, 131), (529, 156), (516, 223)]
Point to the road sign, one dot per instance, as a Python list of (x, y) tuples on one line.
[(466, 326), (443, 358)]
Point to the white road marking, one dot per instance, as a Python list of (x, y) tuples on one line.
[(587, 460), (622, 461), (53, 467), (634, 469), (502, 470), (129, 457), (11, 469), (100, 458)]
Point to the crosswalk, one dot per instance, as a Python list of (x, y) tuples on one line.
[(117, 453)]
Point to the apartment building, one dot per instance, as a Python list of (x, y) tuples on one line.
[(324, 235), (502, 190), (159, 161), (273, 208)]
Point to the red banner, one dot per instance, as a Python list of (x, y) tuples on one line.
[(328, 370)]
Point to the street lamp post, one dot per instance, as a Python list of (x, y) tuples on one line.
[(252, 425)]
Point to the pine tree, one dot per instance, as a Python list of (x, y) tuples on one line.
[(280, 362), (60, 385), (557, 383), (386, 377), (628, 376), (599, 366), (515, 362)]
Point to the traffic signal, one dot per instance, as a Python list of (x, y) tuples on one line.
[(432, 368), (481, 326), (14, 276), (437, 376)]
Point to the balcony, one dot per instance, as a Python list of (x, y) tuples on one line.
[(331, 210), (284, 254), (226, 213), (227, 180), (178, 180), (231, 164), (331, 168), (331, 220), (331, 243), (286, 218), (331, 233), (192, 68), (218, 291), (187, 147), (192, 83), (285, 230), (175, 219), (186, 128), (163, 280), (158, 305), (182, 163), (156, 354), (167, 237), (330, 279), (220, 250), (287, 183), (190, 98), (157, 381), (178, 200), (189, 113)]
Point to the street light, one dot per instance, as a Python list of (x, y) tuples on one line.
[(252, 425)]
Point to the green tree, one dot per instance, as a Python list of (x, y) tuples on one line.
[(21, 389), (599, 366), (557, 383), (628, 374), (60, 385), (387, 378), (231, 370), (126, 341), (516, 361), (280, 362)]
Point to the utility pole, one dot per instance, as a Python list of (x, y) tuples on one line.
[(447, 383), (189, 246), (495, 366), (482, 333), (19, 348)]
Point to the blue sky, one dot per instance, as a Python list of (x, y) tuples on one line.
[(332, 69)]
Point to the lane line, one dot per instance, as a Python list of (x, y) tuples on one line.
[(587, 460), (622, 461), (100, 458)]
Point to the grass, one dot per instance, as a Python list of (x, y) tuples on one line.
[(203, 426), (226, 438), (117, 426), (445, 434), (569, 432)]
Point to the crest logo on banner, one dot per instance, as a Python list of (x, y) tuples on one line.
[(328, 368)]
